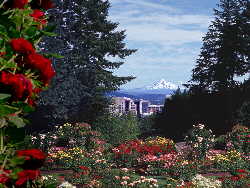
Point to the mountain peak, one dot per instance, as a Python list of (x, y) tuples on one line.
[(163, 84)]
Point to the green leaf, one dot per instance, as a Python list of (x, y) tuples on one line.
[(4, 36), (15, 136), (3, 122), (50, 34), (23, 106), (54, 55), (28, 109), (50, 28), (17, 121), (6, 65), (4, 96), (6, 110), (17, 161), (53, 185)]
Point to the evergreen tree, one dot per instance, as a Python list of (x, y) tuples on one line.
[(226, 48), (88, 41)]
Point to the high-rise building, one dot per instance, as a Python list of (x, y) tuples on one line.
[(153, 109), (142, 107)]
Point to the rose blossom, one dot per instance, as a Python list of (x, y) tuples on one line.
[(26, 175), (21, 45), (45, 4), (43, 64), (20, 84), (19, 4), (38, 16), (34, 153), (4, 176)]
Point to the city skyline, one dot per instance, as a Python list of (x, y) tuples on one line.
[(168, 35)]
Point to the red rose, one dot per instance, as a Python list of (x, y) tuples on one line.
[(19, 4), (43, 65), (34, 153), (45, 4), (38, 16), (84, 167), (235, 178), (241, 171), (21, 45), (21, 86), (2, 53), (26, 175), (4, 176)]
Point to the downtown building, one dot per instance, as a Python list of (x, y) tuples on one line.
[(140, 108)]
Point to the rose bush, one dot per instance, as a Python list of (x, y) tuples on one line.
[(23, 74), (201, 140)]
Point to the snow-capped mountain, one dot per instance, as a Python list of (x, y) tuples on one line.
[(163, 84), (156, 93)]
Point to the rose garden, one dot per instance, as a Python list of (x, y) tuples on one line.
[(75, 154)]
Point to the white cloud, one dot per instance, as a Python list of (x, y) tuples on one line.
[(167, 39)]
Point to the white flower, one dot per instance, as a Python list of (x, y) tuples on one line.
[(124, 169), (125, 178), (124, 183), (66, 184), (196, 145), (200, 139), (201, 181), (42, 136)]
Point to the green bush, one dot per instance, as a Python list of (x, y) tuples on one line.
[(118, 129), (239, 139)]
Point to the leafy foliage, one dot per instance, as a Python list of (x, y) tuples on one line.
[(225, 51), (92, 50), (117, 129)]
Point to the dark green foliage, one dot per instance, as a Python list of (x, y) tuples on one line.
[(226, 48), (183, 110), (146, 125), (118, 129), (244, 114), (87, 40), (214, 94)]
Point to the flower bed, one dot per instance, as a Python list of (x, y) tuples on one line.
[(153, 162)]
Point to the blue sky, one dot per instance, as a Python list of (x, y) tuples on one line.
[(167, 33)]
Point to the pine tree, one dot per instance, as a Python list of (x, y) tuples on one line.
[(226, 48), (88, 41)]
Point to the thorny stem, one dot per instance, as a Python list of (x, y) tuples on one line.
[(1, 140)]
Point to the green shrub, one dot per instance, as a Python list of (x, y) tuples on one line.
[(239, 139), (118, 129), (200, 139)]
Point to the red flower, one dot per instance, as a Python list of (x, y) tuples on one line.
[(45, 4), (34, 153), (21, 85), (235, 178), (38, 16), (26, 175), (44, 65), (2, 53), (84, 167), (21, 45), (19, 4), (241, 176), (4, 176), (241, 171)]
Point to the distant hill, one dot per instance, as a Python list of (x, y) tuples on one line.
[(156, 93), (153, 98)]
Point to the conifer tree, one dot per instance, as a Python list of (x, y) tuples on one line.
[(89, 42), (226, 48)]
